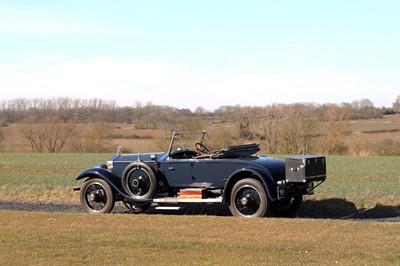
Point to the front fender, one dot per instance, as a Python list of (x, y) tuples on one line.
[(113, 180), (262, 175), (98, 172)]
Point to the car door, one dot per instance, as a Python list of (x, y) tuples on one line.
[(213, 172), (180, 172)]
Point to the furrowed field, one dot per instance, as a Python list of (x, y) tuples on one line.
[(357, 187)]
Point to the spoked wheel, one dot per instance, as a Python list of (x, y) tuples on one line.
[(96, 196), (285, 207), (248, 199), (139, 181)]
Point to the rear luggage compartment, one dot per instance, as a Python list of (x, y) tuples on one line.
[(302, 169)]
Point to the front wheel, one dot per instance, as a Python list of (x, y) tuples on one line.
[(248, 199), (96, 196)]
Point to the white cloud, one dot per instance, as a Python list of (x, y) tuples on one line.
[(170, 84), (124, 81), (22, 23)]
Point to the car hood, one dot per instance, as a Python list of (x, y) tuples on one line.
[(135, 157)]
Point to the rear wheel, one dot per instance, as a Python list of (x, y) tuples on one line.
[(248, 199), (96, 196)]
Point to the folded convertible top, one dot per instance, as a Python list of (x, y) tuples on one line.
[(239, 151)]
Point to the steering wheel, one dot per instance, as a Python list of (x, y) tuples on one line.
[(200, 148)]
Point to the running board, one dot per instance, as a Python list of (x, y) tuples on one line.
[(168, 208), (172, 200)]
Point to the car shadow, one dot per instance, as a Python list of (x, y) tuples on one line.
[(333, 208), (336, 208), (196, 209)]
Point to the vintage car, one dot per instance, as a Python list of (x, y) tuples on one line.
[(251, 185)]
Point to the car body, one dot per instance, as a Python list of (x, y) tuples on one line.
[(252, 185)]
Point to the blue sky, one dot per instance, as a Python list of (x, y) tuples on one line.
[(201, 53)]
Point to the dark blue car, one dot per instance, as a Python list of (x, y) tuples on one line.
[(252, 185)]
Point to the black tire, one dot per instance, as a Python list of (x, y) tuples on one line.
[(139, 181), (96, 196), (285, 207), (248, 199)]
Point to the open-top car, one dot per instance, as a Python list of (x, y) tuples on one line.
[(251, 185)]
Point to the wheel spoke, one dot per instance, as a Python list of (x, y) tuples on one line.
[(96, 196), (139, 182), (247, 200)]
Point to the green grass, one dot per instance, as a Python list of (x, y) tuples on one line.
[(365, 181), (148, 239), (118, 239), (43, 176)]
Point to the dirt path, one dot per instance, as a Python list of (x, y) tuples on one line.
[(308, 210)]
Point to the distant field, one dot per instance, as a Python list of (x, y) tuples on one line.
[(364, 181), (389, 122), (366, 132)]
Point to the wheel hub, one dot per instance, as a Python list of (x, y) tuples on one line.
[(135, 183), (244, 201), (95, 197), (138, 185)]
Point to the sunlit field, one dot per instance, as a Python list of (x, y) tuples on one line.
[(354, 185), (365, 181), (121, 239)]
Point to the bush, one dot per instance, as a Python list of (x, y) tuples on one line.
[(386, 147)]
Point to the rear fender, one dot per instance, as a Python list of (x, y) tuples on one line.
[(113, 180), (259, 174)]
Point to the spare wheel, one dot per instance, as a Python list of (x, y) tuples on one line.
[(139, 180)]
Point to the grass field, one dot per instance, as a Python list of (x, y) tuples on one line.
[(364, 181), (118, 239), (43, 177), (353, 183)]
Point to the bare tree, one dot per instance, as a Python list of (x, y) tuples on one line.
[(269, 129), (243, 116), (96, 137), (192, 124), (32, 132), (3, 120), (357, 144), (287, 129), (2, 137), (336, 126), (396, 105), (56, 133), (51, 134), (309, 123), (221, 138), (200, 111), (290, 133), (162, 137)]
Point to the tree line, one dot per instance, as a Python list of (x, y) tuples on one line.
[(49, 125), (149, 114)]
